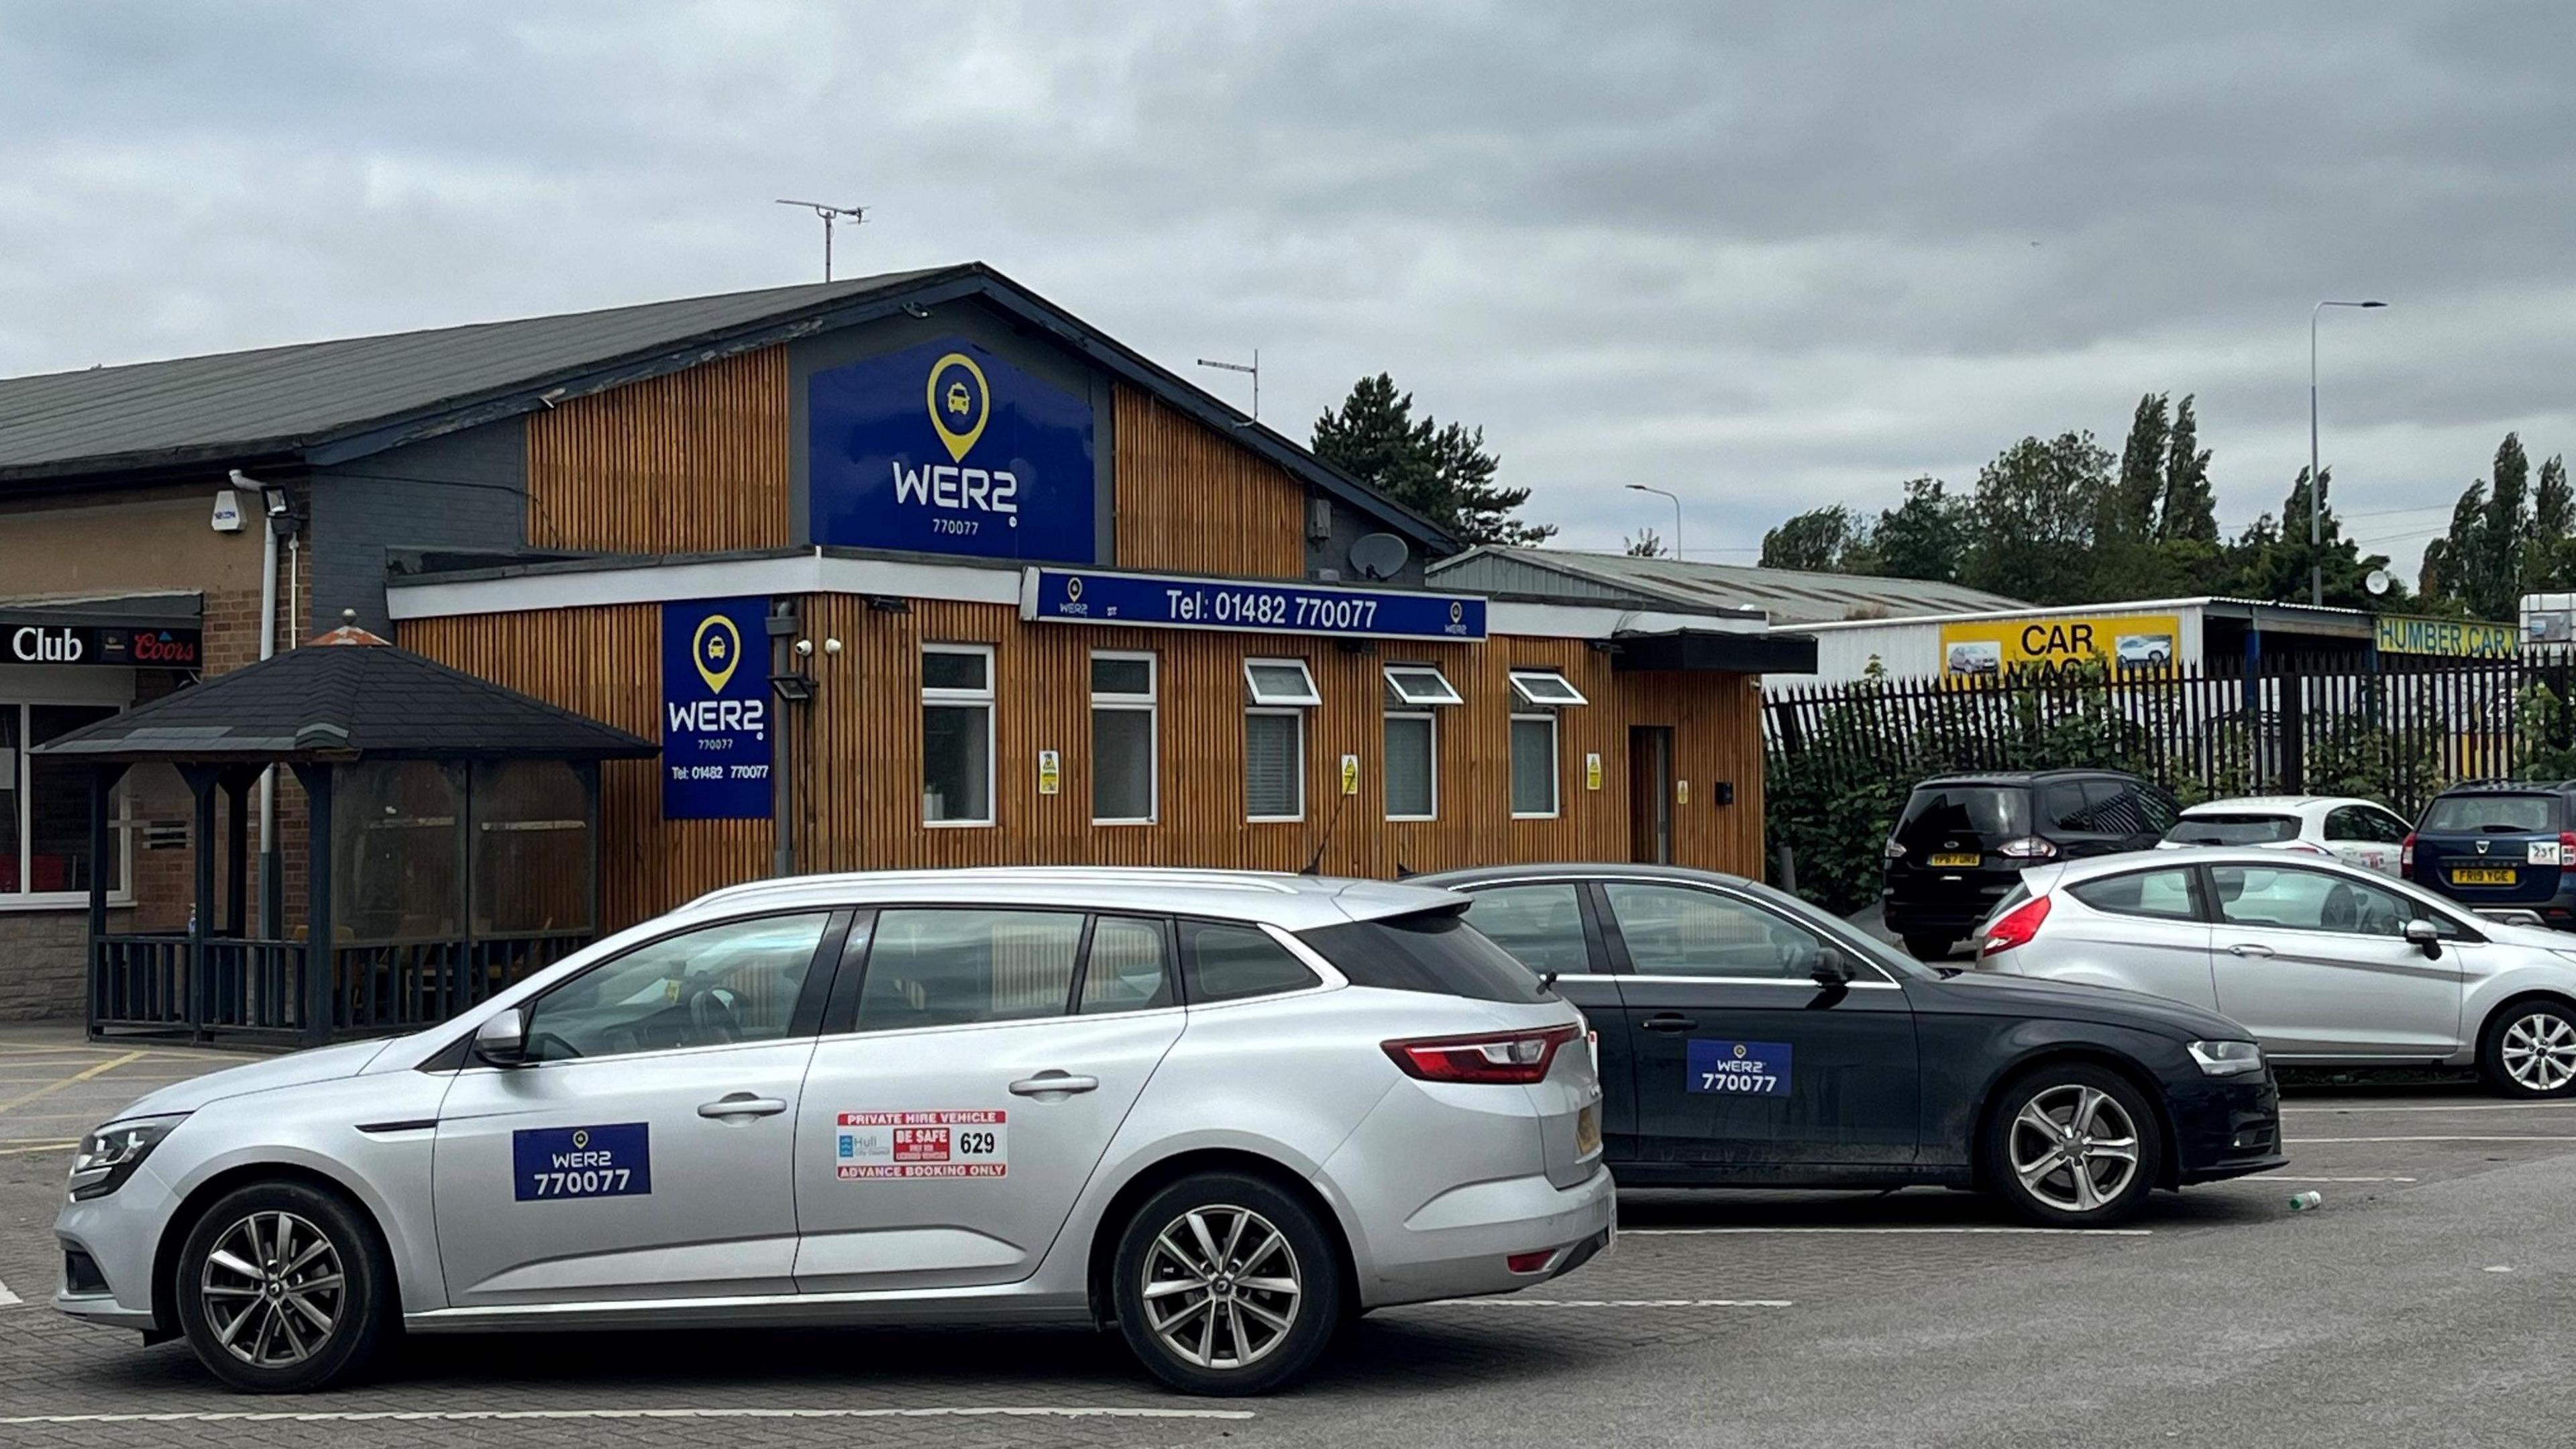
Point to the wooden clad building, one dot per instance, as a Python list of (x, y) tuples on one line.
[(910, 570)]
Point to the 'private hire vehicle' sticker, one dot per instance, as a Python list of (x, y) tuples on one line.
[(873, 1145), (1743, 1068), (615, 1160)]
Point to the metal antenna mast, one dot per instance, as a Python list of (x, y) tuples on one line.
[(1254, 368), (831, 215)]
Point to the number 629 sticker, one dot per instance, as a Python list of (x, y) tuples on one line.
[(870, 1146)]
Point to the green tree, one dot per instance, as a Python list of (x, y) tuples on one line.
[(2131, 514), (2482, 560), (1646, 543), (1924, 537), (2034, 517), (2550, 561), (1820, 540), (2270, 559), (1445, 473), (2188, 512)]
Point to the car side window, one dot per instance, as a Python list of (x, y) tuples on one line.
[(947, 966), (737, 981), (2366, 823), (1128, 967), (1542, 924), (2313, 900), (2162, 894), (1680, 931), (1225, 961), (2113, 808), (2061, 806)]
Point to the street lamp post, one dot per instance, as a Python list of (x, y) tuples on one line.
[(1677, 513), (2316, 482)]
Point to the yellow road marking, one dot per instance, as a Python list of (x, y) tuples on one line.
[(74, 1079), (38, 1147)]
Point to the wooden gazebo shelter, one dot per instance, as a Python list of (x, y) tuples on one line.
[(450, 845)]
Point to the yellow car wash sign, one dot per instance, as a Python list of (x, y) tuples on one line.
[(1994, 647), (2458, 638)]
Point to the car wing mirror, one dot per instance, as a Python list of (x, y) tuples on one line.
[(502, 1039), (1833, 967), (2426, 936)]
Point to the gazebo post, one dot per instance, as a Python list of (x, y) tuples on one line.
[(201, 781), (319, 957), (102, 782), (237, 853)]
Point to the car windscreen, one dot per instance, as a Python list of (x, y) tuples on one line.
[(2234, 829), (2482, 813), (1434, 951), (1962, 812)]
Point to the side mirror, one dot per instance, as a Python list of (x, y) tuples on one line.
[(2426, 937), (502, 1041), (1833, 968)]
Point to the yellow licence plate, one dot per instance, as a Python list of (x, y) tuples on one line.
[(1587, 1131), (2484, 875), (1964, 857)]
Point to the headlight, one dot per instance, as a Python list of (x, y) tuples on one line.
[(109, 1155), (2227, 1058)]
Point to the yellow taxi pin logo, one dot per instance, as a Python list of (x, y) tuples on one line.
[(580, 1138), (957, 412), (1739, 1051), (716, 650)]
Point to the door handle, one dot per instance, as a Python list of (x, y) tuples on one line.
[(2248, 948), (742, 1104), (1053, 1084), (1669, 1022)]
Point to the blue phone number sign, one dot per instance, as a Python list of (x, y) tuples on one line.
[(1153, 601)]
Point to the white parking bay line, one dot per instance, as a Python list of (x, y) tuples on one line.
[(2276, 1177), (1964, 1231), (9, 1299), (2464, 1107), (373, 1416), (2323, 1141), (1606, 1303)]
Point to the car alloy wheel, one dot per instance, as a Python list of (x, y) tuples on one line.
[(2074, 1148), (2538, 1051), (1222, 1287), (273, 1289)]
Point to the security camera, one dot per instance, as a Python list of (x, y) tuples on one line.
[(804, 648)]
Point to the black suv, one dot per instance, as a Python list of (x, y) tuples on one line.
[(1963, 841), (2498, 845)]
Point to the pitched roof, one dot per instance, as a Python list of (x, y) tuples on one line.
[(343, 701), (318, 403), (1788, 596)]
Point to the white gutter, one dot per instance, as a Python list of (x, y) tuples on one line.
[(267, 649)]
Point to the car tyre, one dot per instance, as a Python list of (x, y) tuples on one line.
[(2073, 1145), (1928, 948), (294, 1272), (2529, 1050), (1226, 1285)]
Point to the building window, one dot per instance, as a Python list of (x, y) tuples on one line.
[(1277, 694), (1280, 682), (1414, 695), (44, 807), (1533, 766), (1545, 689), (1122, 739), (957, 734)]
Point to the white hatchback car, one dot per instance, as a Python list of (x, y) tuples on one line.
[(2357, 832), (1222, 1112), (2322, 963)]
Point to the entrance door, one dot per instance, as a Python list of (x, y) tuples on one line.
[(1650, 794)]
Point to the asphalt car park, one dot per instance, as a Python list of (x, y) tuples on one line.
[(2413, 1307)]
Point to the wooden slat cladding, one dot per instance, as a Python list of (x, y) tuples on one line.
[(1192, 501), (858, 750), (693, 461), (606, 663)]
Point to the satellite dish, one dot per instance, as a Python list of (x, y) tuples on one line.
[(2379, 581), (1378, 556)]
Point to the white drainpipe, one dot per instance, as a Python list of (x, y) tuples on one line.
[(268, 860)]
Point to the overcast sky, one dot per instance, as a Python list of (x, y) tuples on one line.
[(1766, 256)]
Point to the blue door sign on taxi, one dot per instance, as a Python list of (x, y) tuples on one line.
[(615, 1160), (1739, 1068)]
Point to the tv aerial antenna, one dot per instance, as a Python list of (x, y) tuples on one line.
[(831, 216), (1253, 368)]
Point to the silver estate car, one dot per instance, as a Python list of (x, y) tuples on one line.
[(2325, 963), (1221, 1112)]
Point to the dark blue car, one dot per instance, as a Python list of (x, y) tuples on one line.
[(2500, 845)]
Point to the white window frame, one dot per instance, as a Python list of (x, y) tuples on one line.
[(1528, 684), (1299, 755), (1555, 765), (985, 698), (1147, 704), (22, 845), (1254, 692), (1407, 698), (1431, 719)]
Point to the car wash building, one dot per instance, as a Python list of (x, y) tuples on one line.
[(903, 571)]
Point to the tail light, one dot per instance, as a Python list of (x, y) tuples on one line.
[(2406, 852), (1514, 1057), (2567, 847), (2029, 847), (2016, 927)]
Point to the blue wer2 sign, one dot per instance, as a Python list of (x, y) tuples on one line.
[(1739, 1068), (615, 1160), (947, 448), (715, 710), (1084, 596)]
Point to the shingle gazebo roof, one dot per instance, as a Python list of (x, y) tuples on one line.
[(347, 696)]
